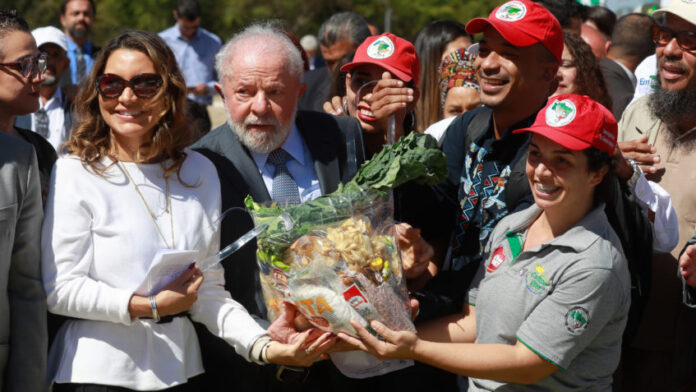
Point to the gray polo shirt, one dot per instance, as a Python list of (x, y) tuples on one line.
[(567, 300)]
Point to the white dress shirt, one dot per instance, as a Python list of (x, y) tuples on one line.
[(59, 120), (301, 167), (98, 241)]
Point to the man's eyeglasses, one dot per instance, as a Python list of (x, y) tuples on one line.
[(661, 35), (143, 85), (29, 66)]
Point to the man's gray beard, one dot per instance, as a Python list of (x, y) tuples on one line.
[(49, 80), (673, 107), (79, 33), (261, 143)]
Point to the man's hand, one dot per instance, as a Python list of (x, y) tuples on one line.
[(643, 153), (415, 252), (687, 264)]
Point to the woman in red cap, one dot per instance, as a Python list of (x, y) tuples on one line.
[(380, 82), (549, 306)]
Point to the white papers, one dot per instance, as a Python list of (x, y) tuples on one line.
[(166, 266)]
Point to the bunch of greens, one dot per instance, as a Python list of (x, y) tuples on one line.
[(413, 158)]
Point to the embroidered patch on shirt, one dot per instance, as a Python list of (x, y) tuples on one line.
[(537, 280), (577, 320)]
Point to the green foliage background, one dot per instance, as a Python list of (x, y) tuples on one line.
[(225, 17)]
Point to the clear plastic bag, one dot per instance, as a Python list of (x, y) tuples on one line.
[(336, 261)]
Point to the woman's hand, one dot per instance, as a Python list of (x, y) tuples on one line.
[(290, 324), (416, 254), (176, 297), (336, 106), (397, 344), (301, 351), (179, 295), (389, 97)]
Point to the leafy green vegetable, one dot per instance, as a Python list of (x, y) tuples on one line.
[(413, 158)]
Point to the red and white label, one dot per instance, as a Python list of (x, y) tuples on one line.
[(497, 260)]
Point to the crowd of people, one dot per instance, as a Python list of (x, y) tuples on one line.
[(559, 253)]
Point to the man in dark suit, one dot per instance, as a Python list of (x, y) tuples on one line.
[(261, 90), (630, 44)]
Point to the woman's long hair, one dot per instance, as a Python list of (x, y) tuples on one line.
[(90, 138), (589, 77), (432, 40)]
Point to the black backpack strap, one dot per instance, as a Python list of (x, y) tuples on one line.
[(478, 125)]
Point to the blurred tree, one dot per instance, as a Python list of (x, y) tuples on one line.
[(225, 17)]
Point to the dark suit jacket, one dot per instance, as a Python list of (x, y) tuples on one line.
[(619, 85), (325, 136)]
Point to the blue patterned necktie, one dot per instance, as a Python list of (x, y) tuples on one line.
[(81, 66), (284, 186), (41, 122)]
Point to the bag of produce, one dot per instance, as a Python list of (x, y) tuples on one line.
[(335, 258)]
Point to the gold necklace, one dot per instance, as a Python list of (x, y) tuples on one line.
[(152, 215)]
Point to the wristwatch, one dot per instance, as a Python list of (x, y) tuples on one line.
[(631, 182)]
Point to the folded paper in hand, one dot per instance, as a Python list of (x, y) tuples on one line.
[(167, 265)]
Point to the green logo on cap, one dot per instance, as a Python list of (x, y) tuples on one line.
[(382, 48), (511, 11), (560, 113)]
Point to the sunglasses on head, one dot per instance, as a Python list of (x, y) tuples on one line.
[(661, 35), (29, 66), (143, 85)]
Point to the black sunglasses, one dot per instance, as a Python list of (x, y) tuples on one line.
[(29, 66), (143, 85), (661, 35)]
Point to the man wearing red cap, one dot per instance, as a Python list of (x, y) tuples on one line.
[(659, 132), (518, 58)]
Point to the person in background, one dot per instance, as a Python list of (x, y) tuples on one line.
[(595, 39), (579, 72), (657, 131), (22, 300), (53, 119), (339, 35), (602, 19), (77, 18), (310, 44), (459, 89), (433, 43), (569, 13), (127, 190), (195, 49), (629, 45), (548, 306)]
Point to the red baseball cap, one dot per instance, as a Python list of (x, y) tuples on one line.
[(576, 122), (523, 23), (390, 52)]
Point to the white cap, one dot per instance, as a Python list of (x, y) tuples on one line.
[(50, 35), (685, 9)]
